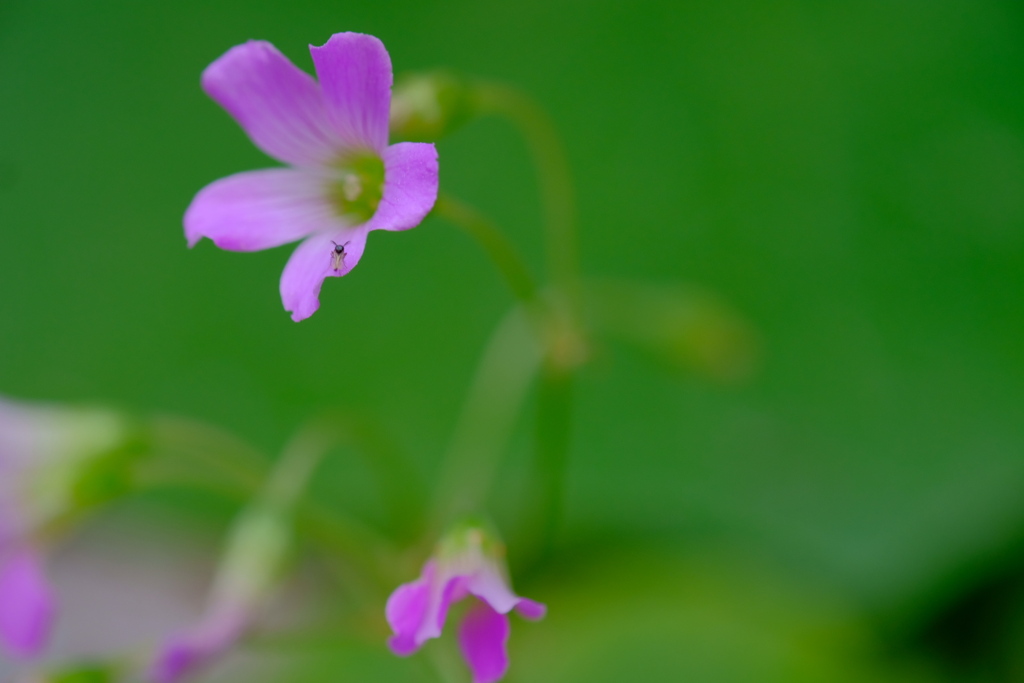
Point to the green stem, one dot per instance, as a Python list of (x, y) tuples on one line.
[(446, 663), (292, 471), (495, 399), (565, 345), (553, 439), (493, 241), (553, 176), (188, 452), (204, 448)]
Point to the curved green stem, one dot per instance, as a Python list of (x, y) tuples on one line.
[(553, 175), (493, 241), (565, 346), (187, 452), (204, 447), (290, 475)]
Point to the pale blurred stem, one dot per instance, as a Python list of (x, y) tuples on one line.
[(240, 471), (235, 461), (495, 399), (493, 241), (291, 473), (446, 663), (554, 179)]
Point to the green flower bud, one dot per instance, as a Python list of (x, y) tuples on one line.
[(472, 536), (427, 106)]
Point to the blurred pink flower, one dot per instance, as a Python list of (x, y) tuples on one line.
[(343, 180), (467, 563), (44, 451), (27, 602)]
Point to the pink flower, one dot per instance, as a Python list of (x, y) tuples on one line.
[(27, 602), (343, 180), (468, 562), (46, 452)]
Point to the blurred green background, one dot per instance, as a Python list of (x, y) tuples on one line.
[(847, 174)]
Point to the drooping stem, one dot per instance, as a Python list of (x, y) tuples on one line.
[(565, 344), (190, 453), (494, 242), (555, 181), (200, 448)]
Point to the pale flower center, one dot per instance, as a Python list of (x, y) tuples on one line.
[(357, 188)]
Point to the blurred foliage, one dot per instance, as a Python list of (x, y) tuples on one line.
[(688, 329), (715, 618), (847, 177)]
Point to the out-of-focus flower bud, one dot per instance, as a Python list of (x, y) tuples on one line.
[(427, 106), (689, 328)]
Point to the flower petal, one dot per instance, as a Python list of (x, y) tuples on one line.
[(279, 105), (176, 659), (405, 611), (483, 638), (454, 590), (410, 186), (312, 262), (189, 651), (490, 585), (444, 592), (354, 71), (260, 209), (27, 604), (531, 609)]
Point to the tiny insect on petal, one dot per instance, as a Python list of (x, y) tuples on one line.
[(338, 255)]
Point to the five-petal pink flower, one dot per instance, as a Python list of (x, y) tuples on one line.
[(343, 179), (467, 563)]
